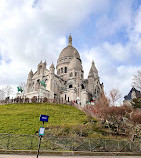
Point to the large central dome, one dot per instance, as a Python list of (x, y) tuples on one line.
[(69, 52), (65, 57)]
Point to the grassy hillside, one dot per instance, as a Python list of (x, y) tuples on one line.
[(24, 118)]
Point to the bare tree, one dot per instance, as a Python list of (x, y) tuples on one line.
[(2, 94), (114, 95), (137, 80), (114, 116), (8, 90), (101, 104)]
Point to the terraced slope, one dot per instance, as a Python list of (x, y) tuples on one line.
[(24, 118)]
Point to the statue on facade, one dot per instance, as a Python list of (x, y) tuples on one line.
[(43, 83), (20, 89)]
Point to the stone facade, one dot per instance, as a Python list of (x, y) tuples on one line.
[(69, 83)]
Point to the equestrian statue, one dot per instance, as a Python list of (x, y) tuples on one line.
[(43, 83), (20, 89)]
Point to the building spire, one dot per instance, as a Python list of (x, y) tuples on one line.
[(52, 68), (70, 40), (30, 74), (93, 63), (93, 71)]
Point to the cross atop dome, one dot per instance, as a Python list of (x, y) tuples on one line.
[(70, 40)]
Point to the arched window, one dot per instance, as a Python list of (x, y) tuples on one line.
[(82, 86), (95, 91), (29, 88), (33, 85), (37, 86), (75, 74), (61, 70), (71, 74), (65, 96), (70, 86), (65, 69)]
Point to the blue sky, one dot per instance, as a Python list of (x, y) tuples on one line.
[(106, 31)]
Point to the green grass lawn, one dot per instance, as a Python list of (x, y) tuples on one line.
[(24, 118)]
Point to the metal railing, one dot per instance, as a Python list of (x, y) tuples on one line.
[(36, 100), (49, 143)]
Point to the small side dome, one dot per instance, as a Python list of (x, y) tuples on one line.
[(75, 64)]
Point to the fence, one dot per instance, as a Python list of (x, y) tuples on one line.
[(39, 100), (30, 142), (35, 100)]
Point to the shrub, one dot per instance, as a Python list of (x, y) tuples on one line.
[(34, 99), (26, 100), (45, 100)]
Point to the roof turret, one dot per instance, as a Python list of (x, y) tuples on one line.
[(30, 73), (52, 66), (93, 71)]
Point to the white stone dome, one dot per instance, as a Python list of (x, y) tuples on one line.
[(69, 52), (75, 64)]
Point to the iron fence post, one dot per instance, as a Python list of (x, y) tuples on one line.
[(105, 144), (90, 145), (130, 146), (31, 143), (118, 146), (72, 145), (8, 141)]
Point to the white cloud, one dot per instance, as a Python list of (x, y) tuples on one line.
[(29, 32), (114, 60), (134, 33), (117, 51), (138, 21), (115, 19)]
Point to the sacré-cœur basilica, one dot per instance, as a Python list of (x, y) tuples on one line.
[(69, 83)]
